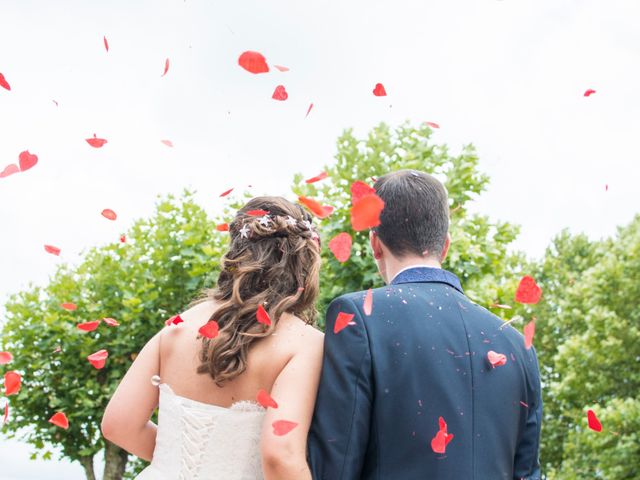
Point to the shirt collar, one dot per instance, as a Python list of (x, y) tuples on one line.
[(424, 273)]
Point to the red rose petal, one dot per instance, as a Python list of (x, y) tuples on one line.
[(209, 329), (317, 178), (69, 306), (3, 82), (379, 91), (5, 357), (27, 160), (226, 192), (309, 110), (109, 214), (340, 246), (367, 306), (123, 238), (257, 213), (432, 124), (265, 399), (9, 170), (112, 322), (529, 332), (96, 142), (280, 93), (281, 68), (342, 321), (52, 250), (166, 67), (496, 359), (168, 143), (441, 440), (262, 316), (320, 211), (98, 359), (594, 423), (282, 427), (223, 227), (12, 383), (589, 92), (253, 62), (88, 326), (528, 291), (359, 190), (175, 320), (106, 44), (59, 419), (365, 213)]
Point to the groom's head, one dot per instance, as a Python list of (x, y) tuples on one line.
[(414, 225)]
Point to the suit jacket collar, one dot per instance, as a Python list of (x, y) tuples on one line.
[(426, 274)]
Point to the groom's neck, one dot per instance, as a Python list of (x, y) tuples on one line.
[(394, 265)]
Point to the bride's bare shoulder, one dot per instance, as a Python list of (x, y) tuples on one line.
[(295, 329)]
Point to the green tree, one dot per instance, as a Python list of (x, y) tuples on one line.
[(589, 343)]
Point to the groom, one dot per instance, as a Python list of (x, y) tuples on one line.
[(421, 355)]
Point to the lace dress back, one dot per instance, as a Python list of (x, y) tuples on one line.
[(199, 441)]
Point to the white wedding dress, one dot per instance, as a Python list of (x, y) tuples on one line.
[(200, 441)]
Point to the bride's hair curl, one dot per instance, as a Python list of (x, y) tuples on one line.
[(273, 261)]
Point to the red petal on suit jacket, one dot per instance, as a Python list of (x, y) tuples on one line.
[(342, 321), (367, 306)]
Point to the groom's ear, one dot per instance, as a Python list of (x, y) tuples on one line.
[(445, 250), (376, 245)]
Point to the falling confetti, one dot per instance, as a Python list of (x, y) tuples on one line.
[(528, 291), (365, 213), (109, 214), (280, 93), (496, 359), (3, 82), (59, 419), (265, 399), (156, 380), (359, 189), (441, 440), (106, 43), (9, 170), (282, 427), (52, 250), (281, 68), (340, 246), (253, 62), (222, 227), (166, 67), (69, 306), (112, 322), (309, 110), (168, 143), (320, 211), (589, 92), (98, 359), (529, 332), (209, 330), (257, 213), (343, 321), (379, 90), (432, 124), (175, 320), (5, 357), (226, 192), (594, 423), (317, 178), (262, 316), (96, 142), (27, 160), (88, 326), (12, 383), (367, 305)]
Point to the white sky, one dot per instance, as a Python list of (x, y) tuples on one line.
[(507, 76)]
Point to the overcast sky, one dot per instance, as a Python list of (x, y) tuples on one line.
[(507, 76)]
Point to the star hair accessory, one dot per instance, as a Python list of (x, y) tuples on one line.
[(264, 221), (244, 232), (307, 224), (291, 221)]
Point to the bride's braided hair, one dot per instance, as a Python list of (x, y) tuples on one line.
[(273, 261)]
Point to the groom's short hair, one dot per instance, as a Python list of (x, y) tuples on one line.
[(415, 218)]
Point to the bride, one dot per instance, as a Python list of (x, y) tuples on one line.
[(262, 347)]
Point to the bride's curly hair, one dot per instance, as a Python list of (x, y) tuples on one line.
[(273, 261)]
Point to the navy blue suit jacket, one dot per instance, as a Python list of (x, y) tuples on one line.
[(421, 355)]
